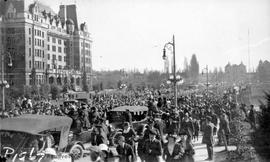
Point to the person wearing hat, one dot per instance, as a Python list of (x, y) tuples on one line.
[(208, 138), (171, 126), (98, 134), (172, 151), (125, 151), (187, 146), (50, 155), (129, 134), (141, 144), (188, 126), (150, 126), (153, 148)]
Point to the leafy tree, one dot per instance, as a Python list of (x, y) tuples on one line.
[(185, 72), (101, 86), (27, 91), (35, 91), (130, 86), (119, 83), (55, 91), (45, 90), (194, 68), (263, 72)]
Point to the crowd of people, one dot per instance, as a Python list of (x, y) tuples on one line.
[(168, 134)]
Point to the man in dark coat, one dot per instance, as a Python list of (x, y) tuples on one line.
[(153, 148), (224, 130), (188, 126), (208, 138), (125, 151)]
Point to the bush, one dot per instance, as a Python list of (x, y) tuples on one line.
[(45, 90), (262, 134), (240, 138), (55, 91)]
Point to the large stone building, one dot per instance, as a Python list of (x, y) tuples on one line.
[(45, 47), (236, 73)]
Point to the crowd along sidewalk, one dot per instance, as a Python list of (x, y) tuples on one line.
[(200, 153)]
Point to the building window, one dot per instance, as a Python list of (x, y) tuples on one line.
[(59, 41), (48, 66), (29, 31), (42, 43), (29, 52), (54, 57), (53, 48), (35, 41), (59, 58), (60, 67), (35, 32), (53, 40), (42, 34), (59, 49), (42, 53), (29, 41), (48, 39), (30, 64), (43, 65), (65, 59), (48, 47), (48, 56)]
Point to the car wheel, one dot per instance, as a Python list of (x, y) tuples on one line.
[(76, 151)]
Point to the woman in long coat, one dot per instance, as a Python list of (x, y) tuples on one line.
[(172, 152)]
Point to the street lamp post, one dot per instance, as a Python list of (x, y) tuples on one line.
[(4, 84), (174, 80)]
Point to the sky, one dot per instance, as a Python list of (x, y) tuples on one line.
[(131, 34)]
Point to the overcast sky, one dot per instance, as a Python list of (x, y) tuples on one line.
[(131, 33)]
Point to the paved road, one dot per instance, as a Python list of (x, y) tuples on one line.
[(200, 153)]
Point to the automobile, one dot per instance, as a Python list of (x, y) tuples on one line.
[(116, 118), (27, 136)]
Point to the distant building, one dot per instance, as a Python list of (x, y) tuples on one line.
[(46, 47), (235, 73)]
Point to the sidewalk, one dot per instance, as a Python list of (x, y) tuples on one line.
[(201, 152)]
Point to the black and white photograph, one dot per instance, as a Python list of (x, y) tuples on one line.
[(135, 80)]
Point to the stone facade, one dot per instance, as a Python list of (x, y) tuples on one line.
[(45, 47)]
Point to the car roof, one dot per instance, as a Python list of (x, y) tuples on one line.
[(34, 124), (131, 108)]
